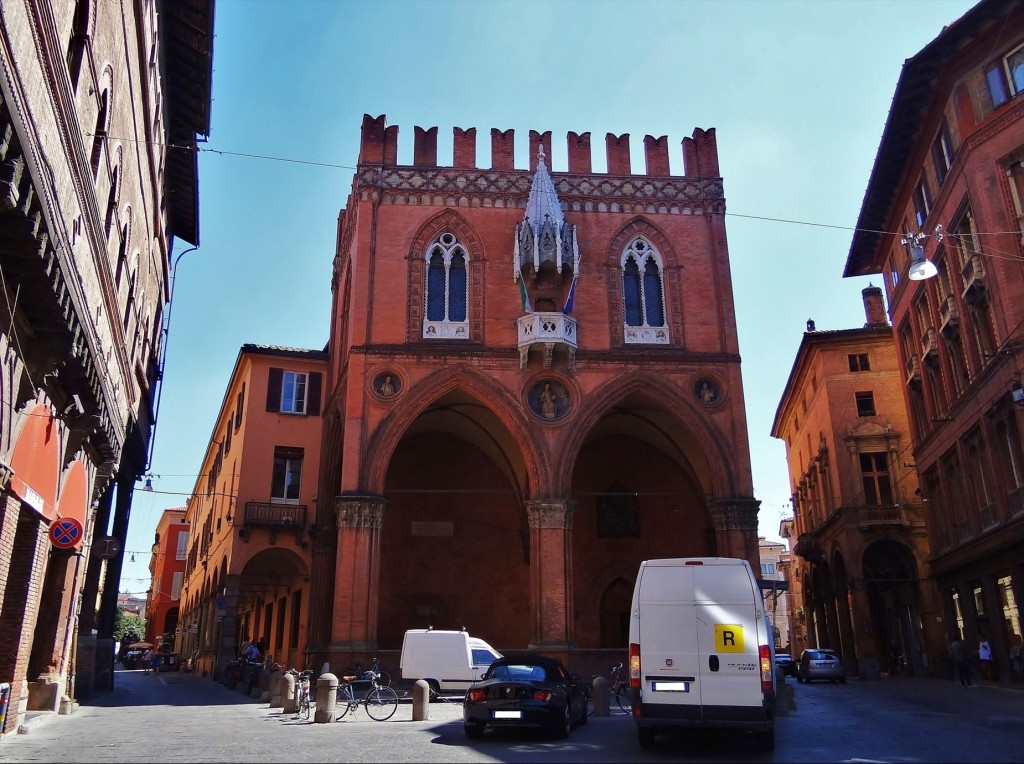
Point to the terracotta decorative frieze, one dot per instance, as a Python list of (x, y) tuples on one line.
[(359, 511), (550, 514), (676, 195)]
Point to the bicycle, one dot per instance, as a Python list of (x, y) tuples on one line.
[(380, 702), (383, 677), (302, 683), (618, 688)]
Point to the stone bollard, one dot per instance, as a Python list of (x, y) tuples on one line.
[(265, 685), (326, 697), (421, 701), (275, 689), (601, 697), (289, 692)]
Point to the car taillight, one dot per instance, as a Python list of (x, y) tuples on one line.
[(476, 695), (767, 670), (542, 695), (634, 664)]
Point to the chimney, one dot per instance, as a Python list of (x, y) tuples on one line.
[(874, 309)]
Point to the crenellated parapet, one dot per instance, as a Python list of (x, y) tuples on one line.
[(465, 183)]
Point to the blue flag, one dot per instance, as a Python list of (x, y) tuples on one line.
[(572, 294)]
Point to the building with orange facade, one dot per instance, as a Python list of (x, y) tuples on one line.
[(534, 384), (861, 552), (947, 186), (247, 566), (167, 573), (92, 201)]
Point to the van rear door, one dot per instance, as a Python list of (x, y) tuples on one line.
[(728, 639), (668, 637)]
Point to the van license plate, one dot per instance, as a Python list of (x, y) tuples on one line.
[(508, 714), (670, 686)]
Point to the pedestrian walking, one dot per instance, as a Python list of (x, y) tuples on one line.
[(985, 656), (961, 666), (147, 660)]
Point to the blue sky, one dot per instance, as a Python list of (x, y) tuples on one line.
[(798, 93)]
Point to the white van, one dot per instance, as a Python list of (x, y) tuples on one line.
[(447, 660), (701, 649)]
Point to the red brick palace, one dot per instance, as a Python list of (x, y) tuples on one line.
[(533, 385)]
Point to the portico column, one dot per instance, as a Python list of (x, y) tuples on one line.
[(357, 575), (735, 523), (551, 573), (227, 647)]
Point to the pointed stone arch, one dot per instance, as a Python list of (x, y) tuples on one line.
[(381, 444), (720, 478), (450, 221), (671, 278)]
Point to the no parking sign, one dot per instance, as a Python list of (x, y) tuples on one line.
[(66, 533)]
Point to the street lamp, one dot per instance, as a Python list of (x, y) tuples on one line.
[(921, 267)]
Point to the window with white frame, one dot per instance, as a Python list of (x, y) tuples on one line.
[(1006, 76), (293, 392), (643, 294), (447, 290), (287, 475)]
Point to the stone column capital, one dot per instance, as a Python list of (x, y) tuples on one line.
[(734, 514), (550, 513), (359, 511)]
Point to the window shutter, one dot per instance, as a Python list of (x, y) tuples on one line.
[(315, 383), (274, 390)]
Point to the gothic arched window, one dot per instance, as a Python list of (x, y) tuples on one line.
[(643, 294), (447, 290)]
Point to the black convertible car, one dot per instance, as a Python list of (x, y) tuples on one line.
[(527, 691)]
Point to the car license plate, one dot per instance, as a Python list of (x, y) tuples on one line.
[(508, 714), (670, 686)]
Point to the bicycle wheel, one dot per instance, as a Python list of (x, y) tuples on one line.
[(381, 703), (622, 698), (384, 679), (344, 703), (304, 705)]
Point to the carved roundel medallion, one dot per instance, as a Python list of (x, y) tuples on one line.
[(707, 391), (387, 384), (549, 399)]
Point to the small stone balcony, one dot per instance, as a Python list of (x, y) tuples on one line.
[(550, 332)]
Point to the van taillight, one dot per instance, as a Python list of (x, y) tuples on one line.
[(634, 664), (767, 669)]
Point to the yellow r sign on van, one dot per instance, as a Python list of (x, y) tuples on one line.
[(728, 638)]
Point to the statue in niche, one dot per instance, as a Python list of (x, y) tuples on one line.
[(706, 391), (549, 400), (386, 385)]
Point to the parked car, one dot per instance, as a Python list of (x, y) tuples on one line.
[(785, 662), (132, 659), (819, 663), (525, 691)]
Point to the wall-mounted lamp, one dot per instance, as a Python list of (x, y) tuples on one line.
[(1017, 394)]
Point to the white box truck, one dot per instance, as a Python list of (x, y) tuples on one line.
[(701, 649), (447, 660)]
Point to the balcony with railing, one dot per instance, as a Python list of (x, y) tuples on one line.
[(974, 280), (882, 515), (274, 516), (930, 347), (949, 318), (913, 368), (550, 332)]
